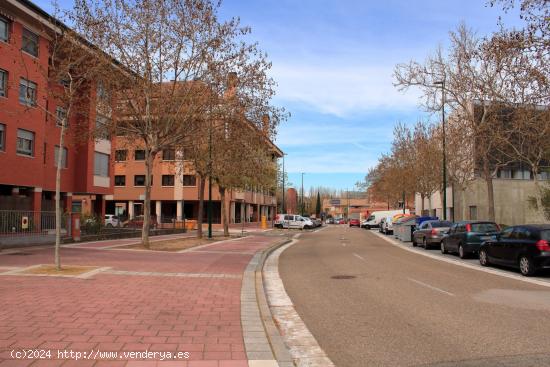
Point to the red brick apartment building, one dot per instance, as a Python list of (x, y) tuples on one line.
[(175, 191), (29, 138)]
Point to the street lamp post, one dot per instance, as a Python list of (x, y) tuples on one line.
[(302, 200), (210, 208), (442, 84), (284, 211)]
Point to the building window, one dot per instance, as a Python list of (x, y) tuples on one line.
[(2, 137), (3, 83), (167, 180), (61, 116), (189, 180), (120, 155), (139, 180), (101, 164), (30, 43), (139, 155), (63, 157), (120, 180), (102, 127), (27, 92), (473, 212), (544, 175), (505, 173), (101, 93), (4, 30), (169, 155), (25, 142), (521, 174)]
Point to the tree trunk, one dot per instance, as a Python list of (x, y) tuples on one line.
[(147, 200), (422, 204), (225, 219), (538, 193), (202, 185), (58, 195), (490, 191)]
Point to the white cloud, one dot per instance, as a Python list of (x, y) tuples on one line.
[(341, 91)]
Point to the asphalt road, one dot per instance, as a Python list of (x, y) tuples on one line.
[(404, 309)]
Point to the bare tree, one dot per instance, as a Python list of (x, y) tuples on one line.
[(165, 48), (73, 66), (475, 88)]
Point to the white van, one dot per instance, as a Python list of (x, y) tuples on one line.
[(374, 218), (292, 221)]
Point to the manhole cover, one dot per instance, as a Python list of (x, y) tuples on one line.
[(343, 277)]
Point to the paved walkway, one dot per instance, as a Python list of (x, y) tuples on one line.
[(188, 304)]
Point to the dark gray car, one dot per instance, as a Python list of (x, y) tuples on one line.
[(430, 232)]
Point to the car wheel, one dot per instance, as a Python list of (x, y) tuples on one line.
[(443, 249), (526, 266), (109, 225), (425, 244), (461, 253), (483, 258)]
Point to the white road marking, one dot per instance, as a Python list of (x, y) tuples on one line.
[(502, 273), (430, 287), (359, 256)]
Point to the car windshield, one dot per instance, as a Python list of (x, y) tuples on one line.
[(484, 227), (371, 217), (441, 224), (545, 235)]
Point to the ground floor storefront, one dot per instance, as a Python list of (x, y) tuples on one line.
[(168, 211)]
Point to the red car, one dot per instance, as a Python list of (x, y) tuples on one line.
[(354, 223), (341, 221), (137, 222)]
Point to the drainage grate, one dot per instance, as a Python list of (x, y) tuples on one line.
[(343, 277), (19, 254)]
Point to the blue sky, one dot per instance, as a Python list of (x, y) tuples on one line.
[(333, 61)]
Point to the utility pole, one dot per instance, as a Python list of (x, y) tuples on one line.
[(442, 83), (302, 200)]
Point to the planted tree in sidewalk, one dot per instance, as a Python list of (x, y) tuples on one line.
[(164, 48), (474, 91), (73, 65)]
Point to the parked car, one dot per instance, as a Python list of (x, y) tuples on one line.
[(526, 247), (465, 237), (294, 221), (430, 232), (341, 221), (112, 220), (386, 225), (330, 221), (373, 221), (137, 222), (354, 222)]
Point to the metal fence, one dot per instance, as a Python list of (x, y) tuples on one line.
[(93, 228), (26, 227)]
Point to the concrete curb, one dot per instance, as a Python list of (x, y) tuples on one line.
[(263, 344), (301, 344)]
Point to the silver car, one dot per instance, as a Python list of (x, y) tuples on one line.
[(430, 232)]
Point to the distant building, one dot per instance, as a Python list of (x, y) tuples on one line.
[(291, 201), (351, 208)]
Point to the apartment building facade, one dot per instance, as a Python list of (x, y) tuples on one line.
[(175, 191), (29, 131)]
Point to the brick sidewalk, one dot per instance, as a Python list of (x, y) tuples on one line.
[(154, 301)]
